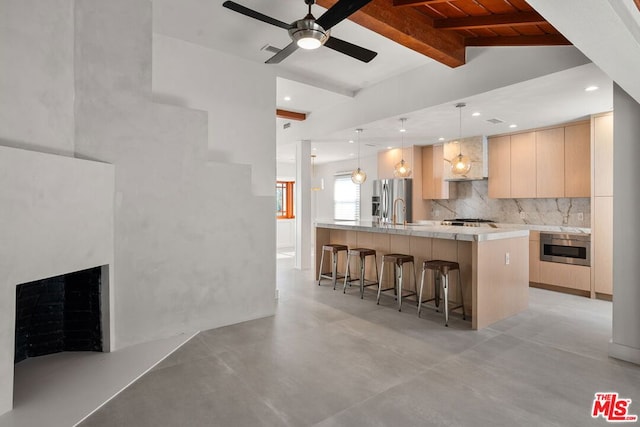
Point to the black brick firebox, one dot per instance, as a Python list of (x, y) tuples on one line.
[(57, 314)]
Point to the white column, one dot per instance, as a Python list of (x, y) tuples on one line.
[(625, 343), (303, 205)]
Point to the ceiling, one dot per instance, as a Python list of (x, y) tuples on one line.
[(319, 80)]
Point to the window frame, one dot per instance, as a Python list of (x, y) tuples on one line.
[(346, 178), (287, 205)]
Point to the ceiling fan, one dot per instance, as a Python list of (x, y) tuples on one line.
[(311, 33)]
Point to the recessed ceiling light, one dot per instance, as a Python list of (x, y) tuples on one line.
[(513, 126), (476, 114), (591, 88), (287, 98), (314, 148), (351, 141), (351, 154), (389, 147), (441, 138)]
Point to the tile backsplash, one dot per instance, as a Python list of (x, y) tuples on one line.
[(473, 202)]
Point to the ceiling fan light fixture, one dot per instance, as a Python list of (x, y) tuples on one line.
[(308, 35)]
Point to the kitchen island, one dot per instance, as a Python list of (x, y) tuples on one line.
[(494, 261)]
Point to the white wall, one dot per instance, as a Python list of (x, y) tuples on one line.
[(190, 237), (56, 218), (36, 81), (625, 343), (236, 94), (322, 201)]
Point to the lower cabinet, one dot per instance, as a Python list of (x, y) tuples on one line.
[(565, 275), (569, 276)]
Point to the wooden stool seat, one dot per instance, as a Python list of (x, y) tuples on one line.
[(334, 249), (443, 268), (361, 253), (398, 260)]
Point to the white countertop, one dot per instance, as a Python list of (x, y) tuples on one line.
[(430, 229)]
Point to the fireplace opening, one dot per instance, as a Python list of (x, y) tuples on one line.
[(58, 314)]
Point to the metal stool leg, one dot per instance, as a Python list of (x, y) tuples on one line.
[(380, 281), (420, 295), (346, 273), (464, 314), (400, 271), (445, 288), (362, 271), (320, 269), (334, 270)]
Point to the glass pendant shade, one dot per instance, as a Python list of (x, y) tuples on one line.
[(460, 165), (358, 176), (402, 169)]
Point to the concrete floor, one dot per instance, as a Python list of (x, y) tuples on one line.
[(329, 359)]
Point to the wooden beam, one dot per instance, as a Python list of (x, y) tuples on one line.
[(503, 20), (405, 3), (410, 28), (291, 115), (544, 40)]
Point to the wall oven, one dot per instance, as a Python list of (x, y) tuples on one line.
[(566, 248)]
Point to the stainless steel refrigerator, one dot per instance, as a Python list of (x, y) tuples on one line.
[(385, 193)]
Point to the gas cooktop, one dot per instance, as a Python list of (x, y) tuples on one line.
[(467, 222)]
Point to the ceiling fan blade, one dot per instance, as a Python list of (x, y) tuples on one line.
[(339, 11), (255, 15), (354, 51), (278, 57)]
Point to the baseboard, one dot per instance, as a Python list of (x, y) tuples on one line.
[(605, 297), (623, 352), (562, 289)]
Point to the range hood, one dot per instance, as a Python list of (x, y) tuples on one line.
[(473, 147)]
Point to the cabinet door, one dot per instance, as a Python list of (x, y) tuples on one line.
[(500, 167), (523, 165), (441, 190), (427, 173), (550, 163), (603, 155), (534, 256), (577, 160), (602, 241)]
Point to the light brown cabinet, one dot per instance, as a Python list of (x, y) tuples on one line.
[(500, 167), (550, 163), (523, 165), (577, 161), (545, 163), (434, 187), (603, 155), (534, 256), (566, 275)]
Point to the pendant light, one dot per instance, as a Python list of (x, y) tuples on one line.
[(316, 184), (402, 169), (358, 176), (460, 165)]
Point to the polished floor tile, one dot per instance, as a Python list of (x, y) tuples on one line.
[(330, 359)]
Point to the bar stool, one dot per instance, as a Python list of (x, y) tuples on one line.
[(398, 261), (361, 253), (334, 249), (442, 267)]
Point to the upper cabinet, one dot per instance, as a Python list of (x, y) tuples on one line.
[(545, 163), (603, 155), (577, 177), (523, 165), (434, 187), (550, 163), (500, 167)]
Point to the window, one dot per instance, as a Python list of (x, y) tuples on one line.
[(284, 199), (346, 199)]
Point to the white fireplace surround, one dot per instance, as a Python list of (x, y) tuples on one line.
[(56, 218)]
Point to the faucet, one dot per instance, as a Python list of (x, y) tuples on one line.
[(404, 209)]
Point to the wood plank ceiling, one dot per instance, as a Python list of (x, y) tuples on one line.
[(442, 29)]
